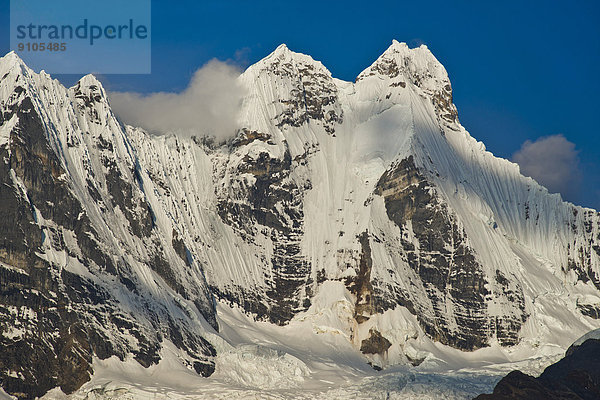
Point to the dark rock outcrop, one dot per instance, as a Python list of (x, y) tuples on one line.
[(447, 266), (313, 96), (361, 285), (275, 203), (375, 343), (575, 377)]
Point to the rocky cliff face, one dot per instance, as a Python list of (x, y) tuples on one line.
[(114, 241), (69, 204), (447, 266)]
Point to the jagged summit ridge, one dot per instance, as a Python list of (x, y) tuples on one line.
[(299, 79), (419, 58)]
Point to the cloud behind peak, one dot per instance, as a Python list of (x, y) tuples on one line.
[(208, 106), (553, 162)]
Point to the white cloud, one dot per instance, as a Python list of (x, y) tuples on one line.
[(208, 106), (553, 162)]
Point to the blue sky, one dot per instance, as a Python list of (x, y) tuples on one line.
[(519, 71)]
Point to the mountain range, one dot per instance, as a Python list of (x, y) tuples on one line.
[(363, 209)]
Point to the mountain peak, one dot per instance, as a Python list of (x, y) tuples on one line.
[(90, 80), (402, 49), (282, 58), (282, 52), (362, 214), (90, 87), (397, 44), (281, 49), (11, 58), (89, 90), (11, 61), (397, 47), (398, 58)]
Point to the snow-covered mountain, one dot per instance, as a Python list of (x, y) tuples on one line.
[(362, 210)]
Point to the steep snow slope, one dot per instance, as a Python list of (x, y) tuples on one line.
[(361, 211)]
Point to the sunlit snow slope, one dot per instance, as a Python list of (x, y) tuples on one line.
[(363, 211)]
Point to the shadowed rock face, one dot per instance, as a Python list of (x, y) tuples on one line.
[(592, 311), (57, 350), (447, 266), (575, 377), (361, 285), (53, 321), (274, 203)]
